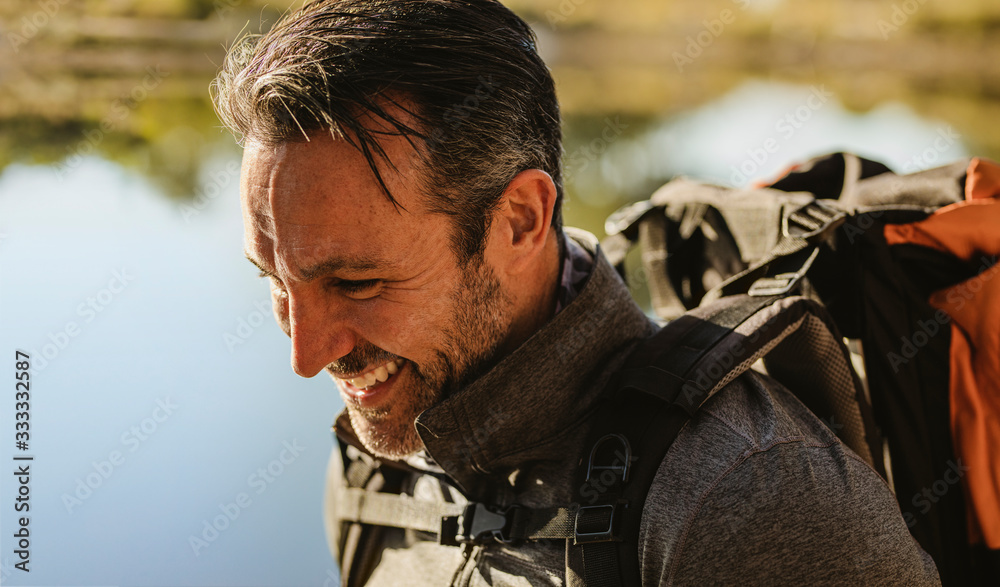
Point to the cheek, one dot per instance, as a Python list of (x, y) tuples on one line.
[(411, 329)]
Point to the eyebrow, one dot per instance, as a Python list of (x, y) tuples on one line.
[(325, 267)]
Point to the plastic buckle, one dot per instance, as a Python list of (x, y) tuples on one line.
[(777, 285), (591, 515), (477, 524), (783, 283), (814, 222)]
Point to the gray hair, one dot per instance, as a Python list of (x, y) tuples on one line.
[(466, 71)]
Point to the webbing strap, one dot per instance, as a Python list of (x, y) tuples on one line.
[(542, 523), (395, 510), (784, 267), (600, 565), (470, 522)]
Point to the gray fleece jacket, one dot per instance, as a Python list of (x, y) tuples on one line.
[(755, 490)]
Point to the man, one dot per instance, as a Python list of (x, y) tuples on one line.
[(402, 188)]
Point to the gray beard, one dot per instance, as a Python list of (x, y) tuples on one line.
[(479, 324)]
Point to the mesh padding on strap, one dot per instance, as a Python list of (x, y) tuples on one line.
[(813, 364)]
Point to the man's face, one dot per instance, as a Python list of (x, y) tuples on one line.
[(372, 294)]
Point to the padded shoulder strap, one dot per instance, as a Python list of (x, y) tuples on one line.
[(667, 379)]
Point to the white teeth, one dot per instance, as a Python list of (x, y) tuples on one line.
[(377, 375)]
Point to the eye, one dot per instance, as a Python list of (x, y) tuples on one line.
[(365, 287), (275, 283)]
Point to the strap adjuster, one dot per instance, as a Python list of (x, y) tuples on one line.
[(815, 222), (477, 524), (597, 523), (783, 283)]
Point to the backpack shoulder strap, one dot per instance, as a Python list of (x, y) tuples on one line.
[(664, 383)]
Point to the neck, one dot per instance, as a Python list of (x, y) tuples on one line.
[(535, 303)]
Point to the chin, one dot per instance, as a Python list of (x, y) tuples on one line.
[(386, 437)]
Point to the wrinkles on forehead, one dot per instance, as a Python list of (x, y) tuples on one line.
[(298, 212)]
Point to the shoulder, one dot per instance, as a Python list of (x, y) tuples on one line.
[(757, 490)]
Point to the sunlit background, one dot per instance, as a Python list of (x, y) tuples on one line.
[(172, 443)]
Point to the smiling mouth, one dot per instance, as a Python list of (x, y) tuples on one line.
[(374, 377)]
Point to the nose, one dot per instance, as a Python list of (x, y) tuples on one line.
[(320, 332)]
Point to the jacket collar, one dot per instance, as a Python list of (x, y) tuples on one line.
[(542, 389)]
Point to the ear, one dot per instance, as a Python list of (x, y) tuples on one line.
[(523, 222)]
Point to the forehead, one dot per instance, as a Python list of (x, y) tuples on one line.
[(304, 202)]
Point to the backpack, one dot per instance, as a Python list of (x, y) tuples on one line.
[(776, 276), (839, 230)]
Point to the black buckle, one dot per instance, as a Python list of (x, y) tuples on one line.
[(814, 222), (477, 524), (596, 523)]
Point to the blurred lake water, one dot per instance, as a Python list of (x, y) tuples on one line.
[(173, 444)]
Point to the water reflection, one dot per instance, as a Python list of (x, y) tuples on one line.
[(161, 389), (748, 135)]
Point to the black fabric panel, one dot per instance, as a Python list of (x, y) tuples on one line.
[(986, 565), (824, 176), (930, 270), (910, 396)]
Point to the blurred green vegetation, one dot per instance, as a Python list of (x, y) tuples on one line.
[(75, 75)]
